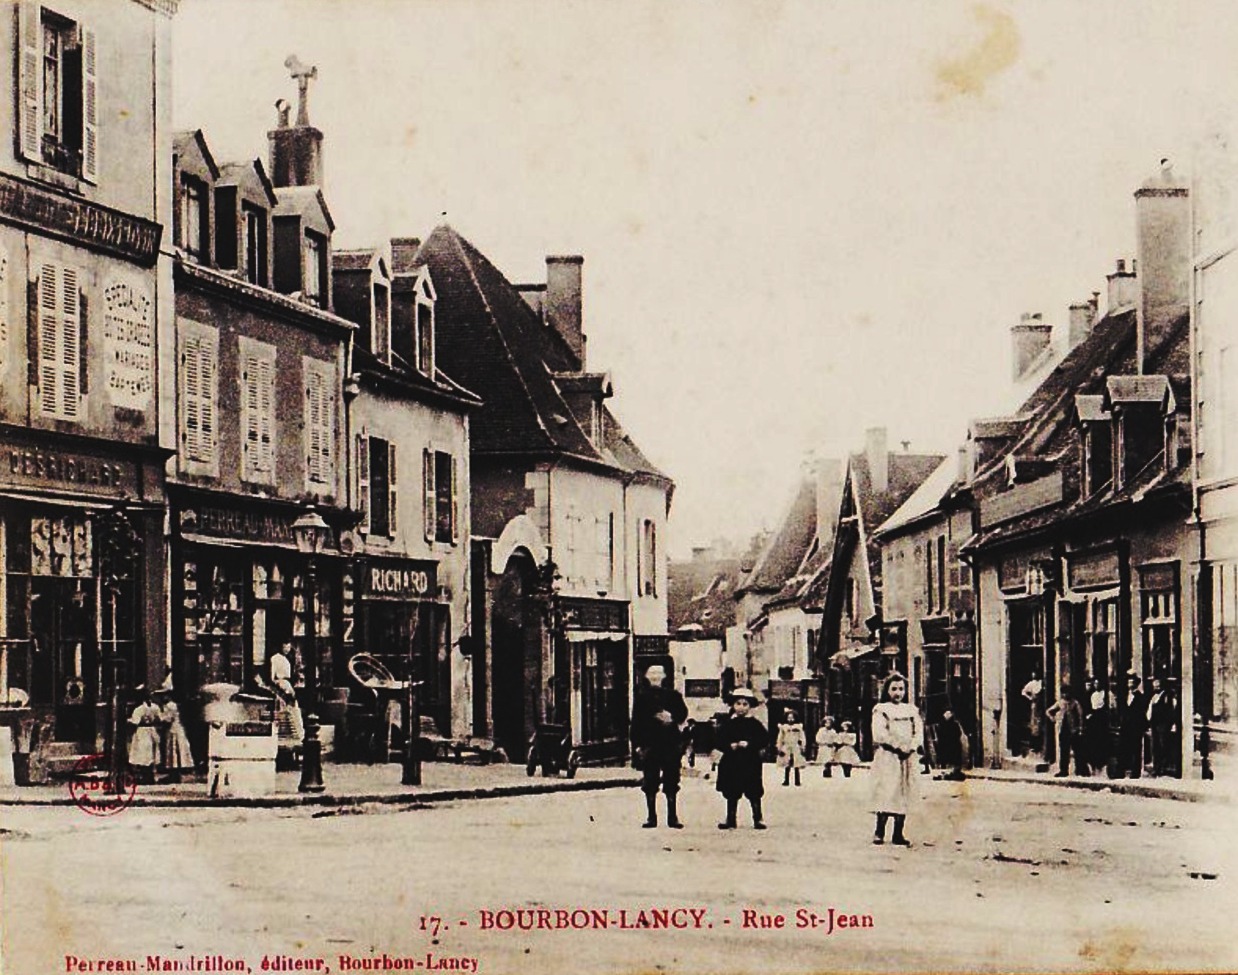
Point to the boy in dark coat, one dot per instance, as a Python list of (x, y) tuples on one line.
[(657, 743), (741, 740)]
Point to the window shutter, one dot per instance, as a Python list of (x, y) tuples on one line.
[(250, 450), (207, 350), (640, 558), (313, 427), (391, 490), (653, 559), (49, 354), (5, 319), (427, 476), (455, 502), (30, 81), (191, 394), (363, 480), (90, 108), (266, 413)]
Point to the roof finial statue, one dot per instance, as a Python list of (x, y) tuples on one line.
[(304, 76)]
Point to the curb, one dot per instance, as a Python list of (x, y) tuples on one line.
[(1118, 786), (350, 799)]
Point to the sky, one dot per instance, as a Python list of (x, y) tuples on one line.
[(799, 218)]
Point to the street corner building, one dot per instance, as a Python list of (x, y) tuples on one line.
[(85, 294), (569, 580)]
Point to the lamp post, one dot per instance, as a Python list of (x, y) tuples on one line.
[(411, 769), (311, 535)]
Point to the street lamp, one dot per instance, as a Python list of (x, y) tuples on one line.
[(311, 534)]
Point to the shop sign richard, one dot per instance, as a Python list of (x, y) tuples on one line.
[(399, 579)]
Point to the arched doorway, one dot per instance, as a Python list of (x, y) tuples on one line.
[(516, 636)]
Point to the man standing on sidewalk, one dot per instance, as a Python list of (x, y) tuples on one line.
[(1133, 723), (657, 744), (1069, 715)]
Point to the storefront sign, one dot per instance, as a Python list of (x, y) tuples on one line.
[(128, 346), (80, 222), (33, 467), (1097, 570), (594, 614), (399, 579), (239, 524)]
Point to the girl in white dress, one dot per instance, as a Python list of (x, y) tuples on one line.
[(898, 734)]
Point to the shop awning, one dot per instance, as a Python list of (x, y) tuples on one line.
[(844, 656), (589, 636)]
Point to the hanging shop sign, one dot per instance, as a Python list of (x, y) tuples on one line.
[(399, 579)]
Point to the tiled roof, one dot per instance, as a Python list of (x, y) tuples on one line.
[(702, 591), (906, 472), (1139, 389), (302, 201), (789, 544), (410, 379), (924, 499), (352, 260), (1090, 407)]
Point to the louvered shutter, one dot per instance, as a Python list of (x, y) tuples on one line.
[(427, 477), (71, 344), (30, 81), (363, 480), (207, 350), (313, 427), (250, 451), (266, 416), (392, 491), (49, 332), (327, 437), (191, 393), (455, 502), (90, 108)]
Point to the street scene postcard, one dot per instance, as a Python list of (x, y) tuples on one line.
[(551, 487)]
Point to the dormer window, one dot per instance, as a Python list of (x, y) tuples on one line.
[(194, 222), (425, 329), (254, 242), (314, 267), (1143, 408), (381, 317), (58, 84), (1095, 442)]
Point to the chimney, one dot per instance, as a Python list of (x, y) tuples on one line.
[(1163, 240), (963, 473), (1123, 287), (1028, 339), (1082, 320), (878, 458), (403, 254), (563, 301), (829, 477), (296, 150)]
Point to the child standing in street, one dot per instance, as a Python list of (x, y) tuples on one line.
[(898, 733), (177, 757), (790, 746), (144, 739), (845, 754), (741, 739)]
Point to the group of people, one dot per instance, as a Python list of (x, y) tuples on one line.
[(1083, 728), (657, 748), (157, 737)]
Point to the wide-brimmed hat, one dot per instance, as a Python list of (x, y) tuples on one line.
[(745, 693)]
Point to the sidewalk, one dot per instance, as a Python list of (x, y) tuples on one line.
[(1220, 789), (351, 785)]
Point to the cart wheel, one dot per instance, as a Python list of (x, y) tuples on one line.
[(573, 763), (531, 765)]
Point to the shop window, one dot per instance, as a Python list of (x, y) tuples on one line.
[(1102, 641), (199, 372), (319, 429), (58, 92), (441, 515), (257, 411), (1158, 618), (58, 337)]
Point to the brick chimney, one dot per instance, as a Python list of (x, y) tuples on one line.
[(1163, 232), (878, 458), (563, 302), (296, 150), (1082, 320), (1123, 287), (1028, 340)]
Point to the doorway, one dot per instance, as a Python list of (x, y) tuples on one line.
[(516, 640)]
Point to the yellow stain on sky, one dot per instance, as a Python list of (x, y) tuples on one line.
[(998, 49)]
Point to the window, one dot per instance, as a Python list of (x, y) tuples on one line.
[(199, 390), (1097, 457), (928, 577), (382, 322), (314, 268), (647, 559), (378, 489), (194, 222), (60, 332), (1158, 617), (425, 338), (257, 361), (319, 428), (441, 498), (58, 85), (254, 240), (941, 573)]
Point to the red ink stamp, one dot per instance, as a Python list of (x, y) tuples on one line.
[(94, 790)]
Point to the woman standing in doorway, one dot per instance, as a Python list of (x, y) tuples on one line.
[(898, 733)]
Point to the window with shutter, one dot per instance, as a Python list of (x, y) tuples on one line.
[(455, 501), (380, 487), (60, 338), (58, 92), (257, 411), (363, 479), (428, 499), (443, 482), (318, 432), (199, 354)]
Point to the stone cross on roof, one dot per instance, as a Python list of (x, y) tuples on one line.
[(304, 76)]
